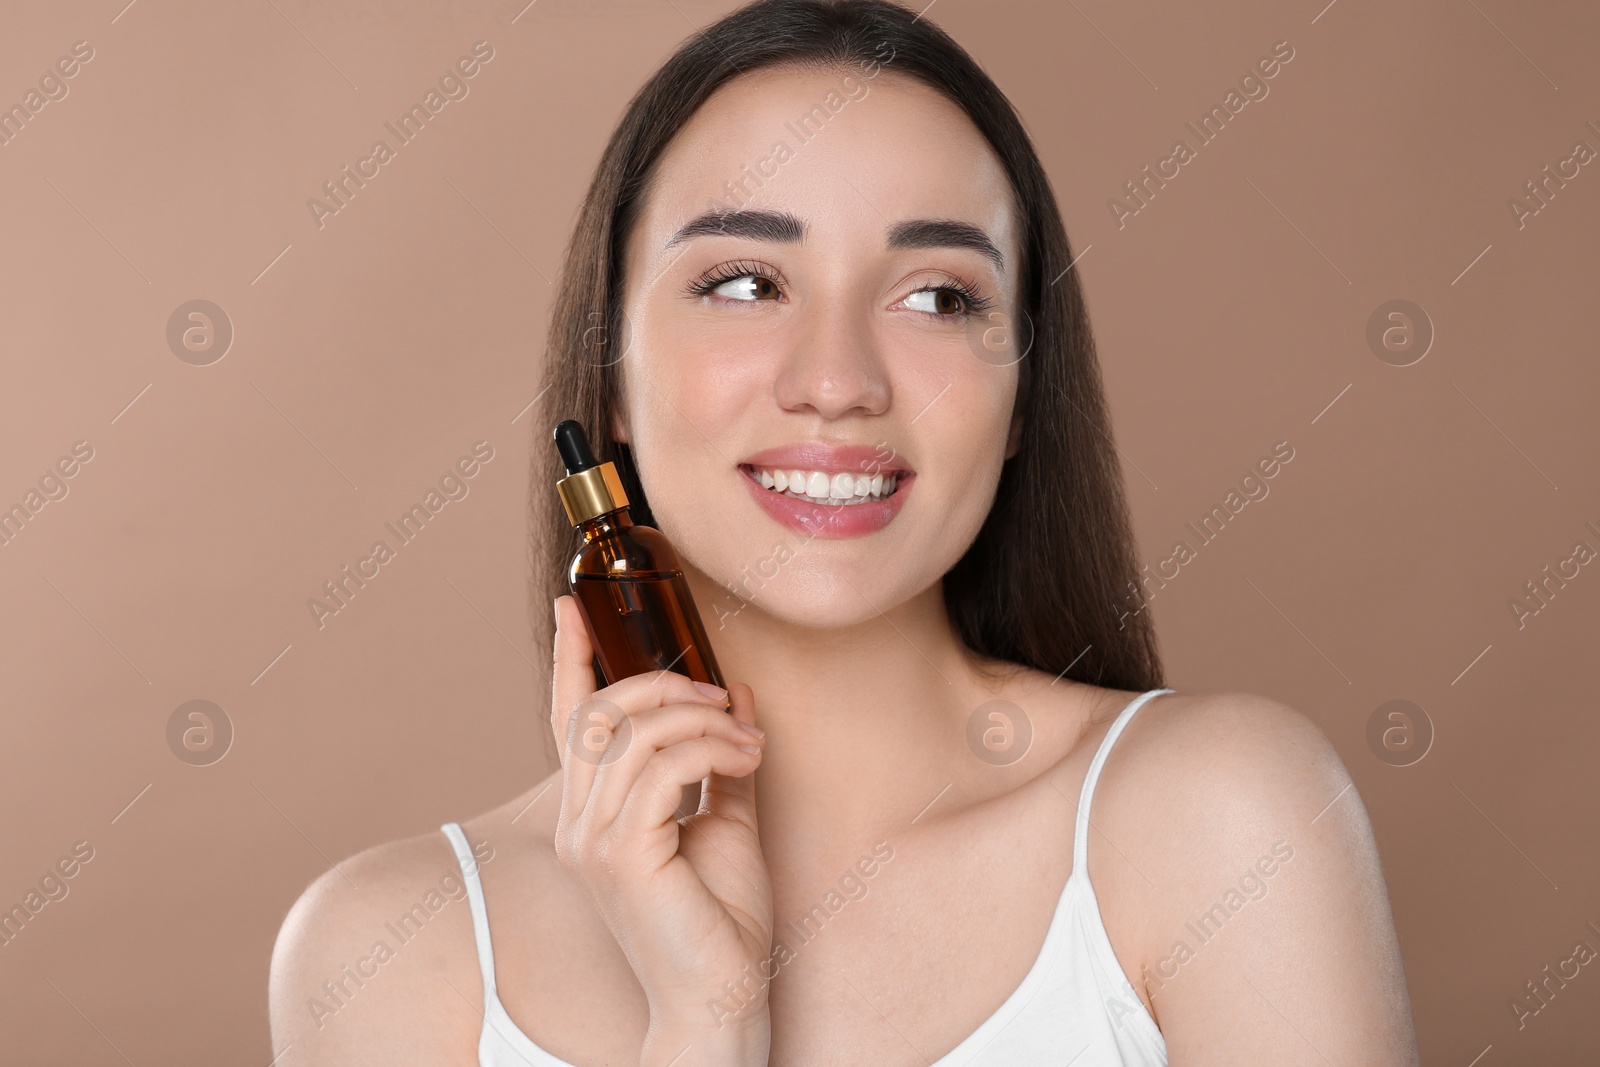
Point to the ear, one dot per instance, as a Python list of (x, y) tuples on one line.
[(619, 430)]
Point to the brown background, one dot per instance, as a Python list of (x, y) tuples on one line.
[(374, 351)]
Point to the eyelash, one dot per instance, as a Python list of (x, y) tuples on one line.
[(975, 301)]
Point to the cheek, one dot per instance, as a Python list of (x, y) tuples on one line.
[(963, 499), (680, 416), (976, 409), (690, 410), (964, 445), (704, 381)]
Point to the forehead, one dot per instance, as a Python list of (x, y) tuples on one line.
[(847, 153)]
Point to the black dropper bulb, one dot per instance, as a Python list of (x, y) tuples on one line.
[(574, 446)]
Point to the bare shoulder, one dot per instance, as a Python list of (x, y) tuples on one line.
[(1246, 879), (1208, 783), (1228, 753), (375, 963)]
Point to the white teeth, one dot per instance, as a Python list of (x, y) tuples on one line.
[(823, 487)]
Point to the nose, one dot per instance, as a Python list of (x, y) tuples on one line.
[(835, 369)]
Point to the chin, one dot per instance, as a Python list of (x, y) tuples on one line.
[(803, 590), (761, 566)]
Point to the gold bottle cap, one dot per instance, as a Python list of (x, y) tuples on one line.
[(590, 488), (592, 492)]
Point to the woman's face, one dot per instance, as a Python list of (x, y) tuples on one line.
[(863, 306)]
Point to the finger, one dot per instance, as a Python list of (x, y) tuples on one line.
[(588, 723), (572, 685), (653, 800), (608, 729), (643, 735), (654, 689), (734, 796), (572, 675)]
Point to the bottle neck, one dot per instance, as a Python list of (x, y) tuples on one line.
[(606, 524)]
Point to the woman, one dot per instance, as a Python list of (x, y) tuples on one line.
[(818, 309)]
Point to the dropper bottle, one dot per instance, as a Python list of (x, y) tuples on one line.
[(626, 576)]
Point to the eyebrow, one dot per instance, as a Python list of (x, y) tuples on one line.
[(786, 228)]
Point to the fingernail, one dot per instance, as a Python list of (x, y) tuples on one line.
[(752, 729), (555, 608), (712, 690), (752, 749)]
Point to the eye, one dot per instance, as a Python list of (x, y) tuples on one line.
[(941, 301), (745, 281), (746, 287), (953, 300)]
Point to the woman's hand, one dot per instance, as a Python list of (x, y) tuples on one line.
[(689, 902)]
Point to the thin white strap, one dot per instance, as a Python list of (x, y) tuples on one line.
[(1080, 842), (480, 914)]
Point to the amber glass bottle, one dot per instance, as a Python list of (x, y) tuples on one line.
[(626, 577)]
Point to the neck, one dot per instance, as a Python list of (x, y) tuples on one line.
[(865, 723)]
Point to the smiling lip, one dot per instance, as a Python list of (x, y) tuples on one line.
[(823, 456), (824, 520), (829, 521)]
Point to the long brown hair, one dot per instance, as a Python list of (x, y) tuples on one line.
[(1047, 581)]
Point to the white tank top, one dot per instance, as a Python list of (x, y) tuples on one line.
[(1074, 1005)]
